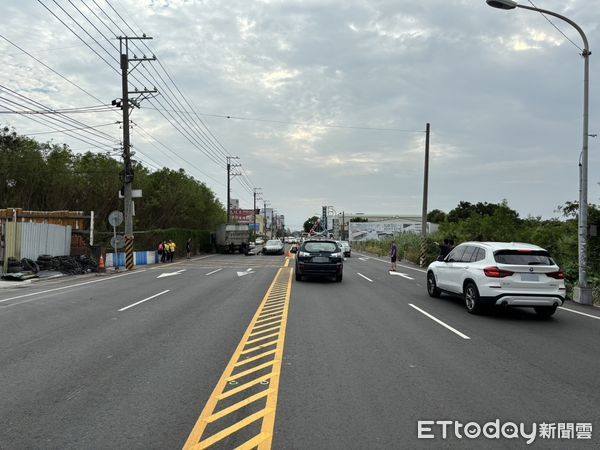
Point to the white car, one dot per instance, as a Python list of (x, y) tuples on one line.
[(259, 241), (273, 246), (500, 274), (346, 249)]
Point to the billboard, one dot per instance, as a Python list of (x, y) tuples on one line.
[(385, 229)]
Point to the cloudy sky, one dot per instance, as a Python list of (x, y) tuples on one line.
[(327, 99)]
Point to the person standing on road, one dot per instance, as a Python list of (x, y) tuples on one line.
[(165, 251), (188, 248), (394, 255), (172, 247)]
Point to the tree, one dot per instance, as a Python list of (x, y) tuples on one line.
[(436, 216), (359, 219), (309, 223)]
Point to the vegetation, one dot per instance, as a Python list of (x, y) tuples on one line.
[(498, 222), (49, 177)]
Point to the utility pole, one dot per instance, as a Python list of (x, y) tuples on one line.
[(254, 213), (125, 104), (424, 213), (229, 166), (265, 217)]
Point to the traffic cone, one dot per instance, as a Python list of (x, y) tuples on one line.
[(101, 265)]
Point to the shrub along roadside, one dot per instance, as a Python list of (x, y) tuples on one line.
[(149, 240)]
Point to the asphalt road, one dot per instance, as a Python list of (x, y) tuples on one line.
[(84, 365)]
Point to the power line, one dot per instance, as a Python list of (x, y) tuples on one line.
[(67, 119), (307, 124), (555, 26), (81, 39)]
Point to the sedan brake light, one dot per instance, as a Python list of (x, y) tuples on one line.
[(559, 275), (495, 272)]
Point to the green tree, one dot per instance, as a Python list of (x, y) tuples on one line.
[(436, 216), (309, 223)]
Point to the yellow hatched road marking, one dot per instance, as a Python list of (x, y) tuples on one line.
[(269, 322)]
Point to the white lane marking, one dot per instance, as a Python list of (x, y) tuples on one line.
[(400, 274), (214, 271), (399, 265), (71, 286), (368, 279), (170, 274), (454, 330), (145, 300), (577, 312), (364, 259)]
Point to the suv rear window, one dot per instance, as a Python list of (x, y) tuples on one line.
[(524, 257), (320, 247)]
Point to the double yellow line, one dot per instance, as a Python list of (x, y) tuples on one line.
[(234, 410)]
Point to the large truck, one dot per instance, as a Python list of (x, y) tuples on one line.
[(229, 238)]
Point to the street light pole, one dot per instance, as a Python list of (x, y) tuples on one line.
[(582, 293)]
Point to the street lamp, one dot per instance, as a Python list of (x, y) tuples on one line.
[(583, 293)]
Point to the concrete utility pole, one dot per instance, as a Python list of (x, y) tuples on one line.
[(425, 193), (254, 212), (125, 104), (229, 175), (265, 202)]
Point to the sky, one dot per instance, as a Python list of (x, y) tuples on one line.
[(324, 102)]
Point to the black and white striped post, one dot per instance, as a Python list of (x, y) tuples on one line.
[(424, 212)]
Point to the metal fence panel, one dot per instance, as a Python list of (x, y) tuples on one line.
[(44, 239)]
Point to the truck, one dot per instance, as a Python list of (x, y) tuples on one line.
[(229, 238)]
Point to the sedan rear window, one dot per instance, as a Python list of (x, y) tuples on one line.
[(314, 247), (524, 257)]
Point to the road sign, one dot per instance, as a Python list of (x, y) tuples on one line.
[(117, 241), (115, 218)]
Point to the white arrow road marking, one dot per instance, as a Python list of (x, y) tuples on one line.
[(214, 271), (401, 275), (247, 272), (363, 259), (368, 279), (145, 300), (170, 274)]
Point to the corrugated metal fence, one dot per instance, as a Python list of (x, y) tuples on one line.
[(30, 240)]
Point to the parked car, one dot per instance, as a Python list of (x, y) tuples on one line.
[(346, 249), (499, 274), (259, 241), (319, 258), (273, 247)]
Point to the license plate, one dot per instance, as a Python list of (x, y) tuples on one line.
[(529, 277), (320, 259)]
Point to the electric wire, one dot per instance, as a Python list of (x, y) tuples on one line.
[(60, 117), (557, 28)]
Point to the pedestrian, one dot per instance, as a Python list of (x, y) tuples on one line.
[(172, 246), (444, 249), (393, 256), (188, 248), (165, 251), (160, 250)]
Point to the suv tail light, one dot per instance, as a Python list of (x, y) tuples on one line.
[(557, 275), (495, 272)]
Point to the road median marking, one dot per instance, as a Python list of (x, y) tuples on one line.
[(366, 278), (243, 404), (578, 312), (445, 325), (144, 300)]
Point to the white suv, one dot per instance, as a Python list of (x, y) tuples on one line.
[(499, 273)]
